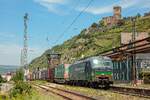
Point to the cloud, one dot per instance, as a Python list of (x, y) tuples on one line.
[(107, 9), (10, 54), (146, 4), (52, 5), (51, 1)]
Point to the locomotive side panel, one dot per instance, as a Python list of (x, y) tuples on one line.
[(77, 72)]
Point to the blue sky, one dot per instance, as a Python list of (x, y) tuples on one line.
[(49, 18)]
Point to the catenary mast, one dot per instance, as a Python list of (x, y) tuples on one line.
[(25, 48), (24, 54)]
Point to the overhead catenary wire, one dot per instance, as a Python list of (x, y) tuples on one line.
[(74, 7), (63, 33)]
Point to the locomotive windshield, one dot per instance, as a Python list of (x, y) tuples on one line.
[(107, 63), (101, 63)]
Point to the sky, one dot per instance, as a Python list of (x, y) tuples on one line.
[(49, 19)]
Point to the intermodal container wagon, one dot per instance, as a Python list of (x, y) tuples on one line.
[(51, 74), (61, 73)]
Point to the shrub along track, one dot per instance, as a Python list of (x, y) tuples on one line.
[(66, 94), (145, 93)]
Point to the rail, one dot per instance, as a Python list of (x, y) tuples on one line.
[(145, 93), (66, 94)]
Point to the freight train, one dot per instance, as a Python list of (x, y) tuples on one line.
[(93, 71)]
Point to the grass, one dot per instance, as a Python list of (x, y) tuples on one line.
[(36, 95), (3, 97), (39, 82), (104, 94)]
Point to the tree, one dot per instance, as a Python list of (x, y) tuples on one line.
[(20, 87), (83, 31), (1, 79), (19, 76), (101, 23), (120, 22), (94, 25), (138, 15)]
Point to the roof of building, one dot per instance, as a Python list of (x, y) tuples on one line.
[(139, 46)]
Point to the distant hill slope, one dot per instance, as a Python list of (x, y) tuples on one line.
[(7, 68), (93, 40)]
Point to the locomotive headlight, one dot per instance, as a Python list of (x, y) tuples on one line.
[(95, 61)]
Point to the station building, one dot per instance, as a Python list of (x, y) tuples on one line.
[(123, 61)]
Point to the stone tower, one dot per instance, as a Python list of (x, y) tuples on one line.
[(117, 12)]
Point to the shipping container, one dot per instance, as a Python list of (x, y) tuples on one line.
[(43, 74), (51, 74), (61, 73)]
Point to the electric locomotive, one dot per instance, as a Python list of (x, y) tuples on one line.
[(93, 71)]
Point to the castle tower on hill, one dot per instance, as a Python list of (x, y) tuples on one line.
[(113, 20), (117, 12)]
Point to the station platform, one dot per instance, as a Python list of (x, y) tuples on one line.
[(130, 85)]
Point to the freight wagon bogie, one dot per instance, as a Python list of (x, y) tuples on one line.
[(89, 84)]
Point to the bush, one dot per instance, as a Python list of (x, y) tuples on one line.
[(94, 25), (145, 76), (21, 88), (2, 80), (19, 76)]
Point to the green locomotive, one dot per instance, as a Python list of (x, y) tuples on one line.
[(93, 71)]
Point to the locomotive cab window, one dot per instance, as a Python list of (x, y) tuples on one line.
[(108, 64), (97, 63)]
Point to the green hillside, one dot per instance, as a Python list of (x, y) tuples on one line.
[(93, 40)]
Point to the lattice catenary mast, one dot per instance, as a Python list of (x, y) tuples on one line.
[(25, 48)]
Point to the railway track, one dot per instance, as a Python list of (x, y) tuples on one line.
[(145, 93), (66, 94), (71, 95)]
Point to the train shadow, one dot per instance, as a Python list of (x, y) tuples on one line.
[(88, 86)]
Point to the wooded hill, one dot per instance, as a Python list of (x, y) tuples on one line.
[(93, 40)]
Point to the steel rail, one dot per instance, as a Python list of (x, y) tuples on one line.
[(83, 97), (66, 98), (145, 93)]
